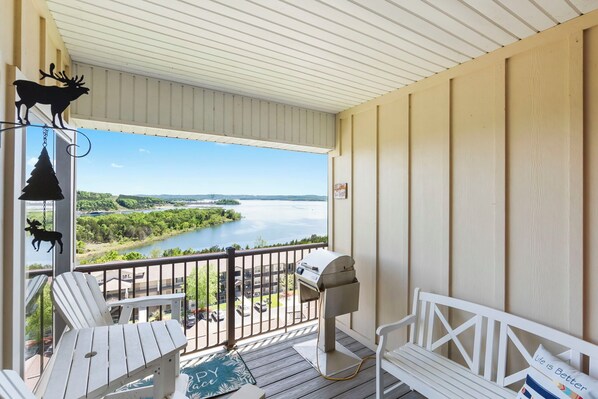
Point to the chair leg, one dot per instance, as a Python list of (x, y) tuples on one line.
[(379, 379), (176, 310)]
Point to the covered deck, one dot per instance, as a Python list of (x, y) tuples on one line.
[(464, 133), (284, 374)]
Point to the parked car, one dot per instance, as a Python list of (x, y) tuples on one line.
[(201, 315), (31, 349), (244, 310), (260, 306), (191, 320), (49, 350), (217, 315)]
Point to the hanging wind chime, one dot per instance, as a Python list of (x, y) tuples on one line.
[(43, 185)]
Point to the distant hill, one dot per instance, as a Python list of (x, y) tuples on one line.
[(102, 202), (106, 202), (214, 197)]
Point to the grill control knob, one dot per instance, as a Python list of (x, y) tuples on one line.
[(299, 270)]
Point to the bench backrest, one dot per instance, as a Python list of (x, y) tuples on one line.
[(492, 332), (78, 299)]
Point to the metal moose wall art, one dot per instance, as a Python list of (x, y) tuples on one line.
[(59, 98), (40, 235)]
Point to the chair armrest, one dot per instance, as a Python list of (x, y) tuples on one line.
[(152, 300), (386, 328), (174, 300)]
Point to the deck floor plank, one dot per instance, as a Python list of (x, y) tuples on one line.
[(284, 374)]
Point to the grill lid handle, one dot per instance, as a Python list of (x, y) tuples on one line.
[(314, 268)]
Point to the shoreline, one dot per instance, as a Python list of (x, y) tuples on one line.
[(93, 249)]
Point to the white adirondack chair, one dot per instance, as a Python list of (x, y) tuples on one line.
[(13, 387), (78, 299)]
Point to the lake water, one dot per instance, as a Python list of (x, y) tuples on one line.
[(271, 221)]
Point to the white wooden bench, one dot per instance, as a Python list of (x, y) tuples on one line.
[(486, 375)]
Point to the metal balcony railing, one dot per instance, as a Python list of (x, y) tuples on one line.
[(230, 295)]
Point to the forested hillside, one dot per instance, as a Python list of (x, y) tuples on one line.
[(90, 202), (136, 202), (139, 226), (104, 202)]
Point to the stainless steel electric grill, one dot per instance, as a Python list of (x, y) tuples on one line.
[(324, 269), (329, 277)]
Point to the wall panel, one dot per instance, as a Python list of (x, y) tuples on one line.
[(473, 193), (341, 215), (537, 165), (429, 126), (591, 183), (393, 212), (364, 218)]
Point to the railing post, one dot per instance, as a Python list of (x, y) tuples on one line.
[(230, 298)]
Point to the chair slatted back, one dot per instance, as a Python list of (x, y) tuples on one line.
[(78, 300), (13, 387)]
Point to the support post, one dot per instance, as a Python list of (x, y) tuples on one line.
[(230, 298)]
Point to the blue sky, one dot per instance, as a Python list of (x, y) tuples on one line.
[(121, 163)]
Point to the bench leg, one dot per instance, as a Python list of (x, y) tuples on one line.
[(379, 379)]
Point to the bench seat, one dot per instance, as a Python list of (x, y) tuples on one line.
[(445, 378)]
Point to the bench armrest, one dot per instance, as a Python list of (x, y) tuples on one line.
[(386, 328), (174, 300)]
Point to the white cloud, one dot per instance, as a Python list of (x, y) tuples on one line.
[(144, 150), (115, 165), (32, 161), (222, 144)]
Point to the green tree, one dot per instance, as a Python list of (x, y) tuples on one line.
[(197, 286), (287, 283), (260, 243)]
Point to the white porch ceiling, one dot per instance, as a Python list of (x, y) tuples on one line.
[(327, 55)]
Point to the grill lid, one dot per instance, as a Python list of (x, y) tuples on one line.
[(323, 261), (323, 269)]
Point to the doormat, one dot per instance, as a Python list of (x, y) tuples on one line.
[(210, 376)]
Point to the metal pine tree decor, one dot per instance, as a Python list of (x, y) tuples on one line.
[(43, 184)]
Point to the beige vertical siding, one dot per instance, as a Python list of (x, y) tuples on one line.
[(590, 276), (487, 185), (393, 211), (123, 101), (474, 191), (429, 133), (364, 217), (342, 215), (537, 173)]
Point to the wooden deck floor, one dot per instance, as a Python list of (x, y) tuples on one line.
[(284, 374)]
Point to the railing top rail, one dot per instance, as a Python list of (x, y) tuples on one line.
[(192, 258), (286, 248), (38, 272)]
